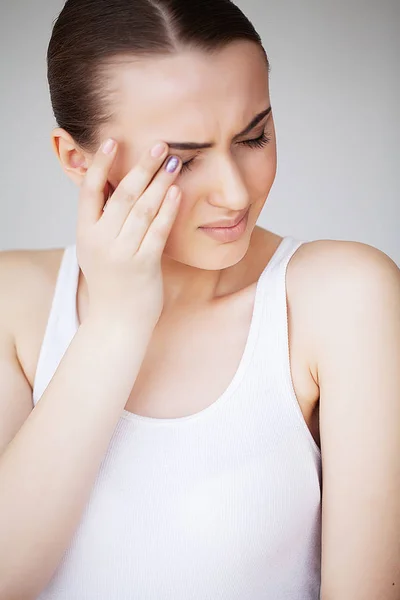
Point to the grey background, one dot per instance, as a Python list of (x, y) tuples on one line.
[(335, 95)]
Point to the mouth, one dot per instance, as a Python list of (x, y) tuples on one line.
[(227, 224), (228, 234)]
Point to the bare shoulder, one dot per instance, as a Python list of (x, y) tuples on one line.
[(350, 300), (27, 283), (327, 268), (25, 277), (30, 261), (330, 278), (326, 253)]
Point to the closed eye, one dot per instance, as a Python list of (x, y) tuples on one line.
[(259, 142)]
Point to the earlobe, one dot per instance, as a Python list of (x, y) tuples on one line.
[(73, 159)]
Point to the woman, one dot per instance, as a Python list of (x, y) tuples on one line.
[(195, 378)]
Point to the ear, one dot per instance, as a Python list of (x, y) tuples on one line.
[(74, 161)]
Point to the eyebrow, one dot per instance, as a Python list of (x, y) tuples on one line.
[(196, 146)]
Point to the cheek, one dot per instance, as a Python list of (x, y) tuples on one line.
[(260, 173)]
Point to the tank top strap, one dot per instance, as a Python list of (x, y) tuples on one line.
[(280, 258), (271, 356), (273, 291), (62, 322), (271, 287), (272, 282), (269, 328), (271, 316)]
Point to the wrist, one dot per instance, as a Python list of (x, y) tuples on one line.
[(118, 331)]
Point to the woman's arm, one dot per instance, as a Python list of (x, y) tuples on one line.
[(49, 456), (356, 334), (48, 469)]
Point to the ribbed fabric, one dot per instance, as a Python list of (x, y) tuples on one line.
[(224, 504)]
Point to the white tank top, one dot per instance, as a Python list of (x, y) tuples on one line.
[(224, 504)]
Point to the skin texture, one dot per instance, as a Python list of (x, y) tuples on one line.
[(343, 303)]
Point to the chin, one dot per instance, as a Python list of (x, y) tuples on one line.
[(207, 254)]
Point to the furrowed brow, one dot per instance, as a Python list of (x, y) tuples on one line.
[(196, 146)]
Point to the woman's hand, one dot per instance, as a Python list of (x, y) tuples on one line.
[(120, 244)]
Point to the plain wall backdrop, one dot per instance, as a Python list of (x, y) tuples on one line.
[(335, 95)]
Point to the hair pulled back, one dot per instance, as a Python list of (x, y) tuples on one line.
[(91, 37)]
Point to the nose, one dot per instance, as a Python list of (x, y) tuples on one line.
[(228, 186)]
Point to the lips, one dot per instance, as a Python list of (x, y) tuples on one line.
[(227, 235), (226, 224)]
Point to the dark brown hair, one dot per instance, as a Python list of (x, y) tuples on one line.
[(91, 37)]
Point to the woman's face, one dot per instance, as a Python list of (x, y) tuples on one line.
[(205, 99)]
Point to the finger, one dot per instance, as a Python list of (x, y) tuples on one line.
[(154, 242), (92, 192), (132, 187), (146, 208)]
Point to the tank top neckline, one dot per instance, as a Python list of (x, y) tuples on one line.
[(70, 270)]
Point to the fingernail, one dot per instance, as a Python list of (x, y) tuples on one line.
[(158, 150), (109, 146), (172, 164)]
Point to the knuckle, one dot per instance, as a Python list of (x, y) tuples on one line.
[(126, 195), (144, 211)]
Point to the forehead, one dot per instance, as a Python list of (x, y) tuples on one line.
[(191, 93)]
